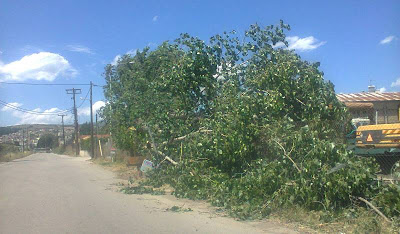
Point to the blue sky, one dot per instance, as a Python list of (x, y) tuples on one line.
[(52, 42)]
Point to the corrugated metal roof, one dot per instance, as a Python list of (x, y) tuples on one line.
[(359, 105), (368, 97)]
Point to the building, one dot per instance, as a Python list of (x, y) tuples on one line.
[(379, 108)]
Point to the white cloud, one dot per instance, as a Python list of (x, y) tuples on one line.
[(132, 52), (304, 44), (86, 110), (31, 118), (115, 60), (382, 90), (80, 49), (387, 40), (118, 56), (301, 44), (396, 83), (155, 18), (38, 66)]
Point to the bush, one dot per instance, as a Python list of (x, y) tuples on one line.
[(86, 143), (388, 200)]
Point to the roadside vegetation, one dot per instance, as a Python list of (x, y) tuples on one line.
[(9, 152), (48, 141), (244, 123)]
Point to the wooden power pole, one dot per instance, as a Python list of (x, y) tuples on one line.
[(91, 121), (62, 122), (74, 92), (23, 140), (97, 137)]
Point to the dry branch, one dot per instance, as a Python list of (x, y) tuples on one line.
[(288, 154), (154, 148), (166, 157), (375, 209), (170, 160), (185, 136)]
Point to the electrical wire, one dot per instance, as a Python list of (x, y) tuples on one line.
[(29, 112), (83, 101), (6, 104), (100, 86), (32, 111), (23, 83)]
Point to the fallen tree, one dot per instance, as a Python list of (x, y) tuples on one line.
[(244, 123)]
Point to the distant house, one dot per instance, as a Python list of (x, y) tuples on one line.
[(379, 108)]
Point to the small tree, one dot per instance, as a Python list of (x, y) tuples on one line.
[(84, 129), (48, 141)]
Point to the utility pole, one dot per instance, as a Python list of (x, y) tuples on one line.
[(97, 127), (62, 121), (28, 139), (97, 136), (23, 140), (74, 91), (111, 143), (91, 120)]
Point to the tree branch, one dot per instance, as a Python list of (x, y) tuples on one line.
[(185, 136), (154, 148), (375, 209), (287, 155)]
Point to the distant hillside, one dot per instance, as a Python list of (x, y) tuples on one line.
[(7, 130), (16, 128), (36, 126)]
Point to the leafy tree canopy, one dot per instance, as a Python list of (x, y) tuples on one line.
[(48, 141)]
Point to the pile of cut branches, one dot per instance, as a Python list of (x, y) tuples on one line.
[(242, 122)]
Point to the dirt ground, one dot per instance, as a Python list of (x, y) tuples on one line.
[(294, 220), (131, 175)]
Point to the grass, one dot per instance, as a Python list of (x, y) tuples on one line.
[(121, 168), (13, 155), (9, 152), (65, 150), (353, 220)]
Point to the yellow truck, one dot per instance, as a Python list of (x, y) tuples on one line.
[(381, 141), (381, 136)]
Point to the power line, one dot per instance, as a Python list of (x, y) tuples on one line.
[(33, 111), (29, 111), (23, 110), (23, 83), (83, 101), (100, 86), (17, 108)]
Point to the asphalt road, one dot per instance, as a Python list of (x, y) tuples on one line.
[(48, 193)]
